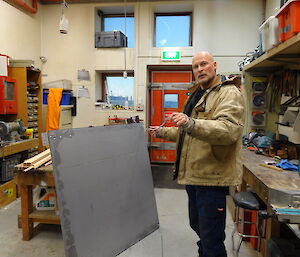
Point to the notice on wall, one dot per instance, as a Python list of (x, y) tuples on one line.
[(83, 91), (3, 66)]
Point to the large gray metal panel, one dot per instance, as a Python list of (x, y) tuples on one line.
[(104, 187)]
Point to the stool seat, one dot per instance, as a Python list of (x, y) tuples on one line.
[(247, 200)]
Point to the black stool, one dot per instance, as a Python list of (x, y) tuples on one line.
[(247, 201)]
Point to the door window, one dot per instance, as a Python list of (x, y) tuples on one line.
[(171, 101)]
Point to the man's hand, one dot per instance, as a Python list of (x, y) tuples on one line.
[(154, 130), (179, 118)]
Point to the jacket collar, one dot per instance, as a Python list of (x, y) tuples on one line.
[(217, 82), (196, 86)]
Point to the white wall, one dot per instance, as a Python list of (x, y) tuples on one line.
[(20, 33), (226, 28)]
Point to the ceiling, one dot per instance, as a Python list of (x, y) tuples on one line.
[(97, 1)]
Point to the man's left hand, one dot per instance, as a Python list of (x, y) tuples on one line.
[(179, 118)]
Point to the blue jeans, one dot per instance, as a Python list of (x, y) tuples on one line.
[(207, 213)]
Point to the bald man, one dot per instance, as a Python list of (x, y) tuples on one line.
[(208, 136)]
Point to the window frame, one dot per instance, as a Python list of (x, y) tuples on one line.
[(174, 14), (118, 15), (104, 75)]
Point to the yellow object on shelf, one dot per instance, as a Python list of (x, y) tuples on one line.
[(29, 133)]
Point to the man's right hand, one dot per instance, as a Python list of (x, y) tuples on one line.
[(179, 118), (154, 130)]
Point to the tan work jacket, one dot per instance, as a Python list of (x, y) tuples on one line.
[(211, 152)]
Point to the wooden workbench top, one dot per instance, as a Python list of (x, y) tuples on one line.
[(284, 180)]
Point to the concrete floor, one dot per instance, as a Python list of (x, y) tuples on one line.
[(174, 238)]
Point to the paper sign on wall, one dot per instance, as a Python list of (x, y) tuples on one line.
[(3, 65)]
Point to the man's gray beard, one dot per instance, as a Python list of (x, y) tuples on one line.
[(205, 84)]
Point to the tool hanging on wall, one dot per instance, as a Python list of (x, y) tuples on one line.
[(286, 82)]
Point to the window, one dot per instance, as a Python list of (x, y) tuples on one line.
[(117, 22), (171, 101), (173, 29), (117, 90)]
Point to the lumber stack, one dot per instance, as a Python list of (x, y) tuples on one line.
[(43, 158)]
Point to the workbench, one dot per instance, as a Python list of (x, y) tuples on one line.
[(262, 180), (8, 189), (26, 182)]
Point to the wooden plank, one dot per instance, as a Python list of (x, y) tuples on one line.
[(29, 168), (37, 157), (8, 193), (48, 163), (20, 168), (48, 217), (41, 162)]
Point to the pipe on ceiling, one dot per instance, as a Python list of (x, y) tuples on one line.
[(25, 6)]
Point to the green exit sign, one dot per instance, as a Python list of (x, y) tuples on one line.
[(170, 55)]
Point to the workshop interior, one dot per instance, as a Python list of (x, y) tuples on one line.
[(81, 83)]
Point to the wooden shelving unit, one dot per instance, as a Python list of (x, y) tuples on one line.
[(29, 99), (18, 147), (286, 53), (284, 56), (29, 110)]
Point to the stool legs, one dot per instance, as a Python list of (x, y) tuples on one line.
[(241, 220), (242, 230), (235, 220), (258, 232)]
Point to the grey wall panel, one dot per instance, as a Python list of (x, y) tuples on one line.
[(104, 187)]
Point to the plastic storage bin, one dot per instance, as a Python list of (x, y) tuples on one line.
[(288, 20), (7, 167), (65, 99), (269, 33)]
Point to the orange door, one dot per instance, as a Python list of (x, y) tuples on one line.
[(168, 94)]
